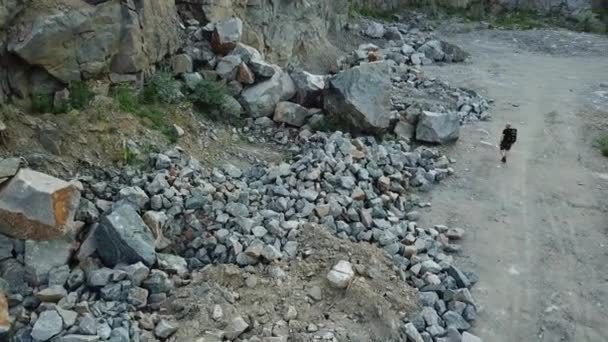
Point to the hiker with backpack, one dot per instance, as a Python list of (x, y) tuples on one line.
[(508, 138)]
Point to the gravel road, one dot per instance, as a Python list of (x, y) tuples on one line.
[(537, 228)]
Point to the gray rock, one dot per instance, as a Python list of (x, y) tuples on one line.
[(226, 35), (290, 113), (43, 256), (375, 30), (392, 33), (341, 274), (231, 106), (404, 130), (59, 275), (470, 313), (359, 98), (438, 128), (172, 264), (181, 64), (9, 167), (52, 294), (6, 247), (412, 333), (122, 237), (262, 68), (120, 335), (37, 206), (427, 298), (164, 329), (261, 99), (432, 50), (461, 279), (309, 87), (452, 53), (228, 67), (453, 319), (68, 316), (48, 325), (157, 282), (136, 273), (134, 195), (87, 325), (100, 277), (235, 328)]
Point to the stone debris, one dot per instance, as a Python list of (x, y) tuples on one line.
[(148, 230)]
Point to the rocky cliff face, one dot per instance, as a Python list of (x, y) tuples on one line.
[(282, 30), (57, 42)]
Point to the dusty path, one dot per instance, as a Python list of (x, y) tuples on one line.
[(537, 228)]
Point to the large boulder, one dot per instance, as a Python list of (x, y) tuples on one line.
[(37, 206), (83, 40), (261, 99), (359, 98), (309, 87), (432, 50), (226, 35), (438, 128), (123, 237), (290, 113)]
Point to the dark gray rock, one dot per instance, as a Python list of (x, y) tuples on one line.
[(48, 325), (461, 279), (359, 98), (453, 319), (439, 128), (123, 237)]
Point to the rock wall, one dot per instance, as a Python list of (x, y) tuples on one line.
[(282, 30), (46, 45)]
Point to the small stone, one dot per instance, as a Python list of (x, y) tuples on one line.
[(164, 329), (315, 293), (453, 319), (217, 313), (412, 333), (48, 325), (290, 314), (52, 294), (87, 325), (341, 274), (235, 328), (100, 277)]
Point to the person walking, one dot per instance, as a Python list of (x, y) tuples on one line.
[(507, 139)]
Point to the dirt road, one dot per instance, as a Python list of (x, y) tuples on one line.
[(537, 227)]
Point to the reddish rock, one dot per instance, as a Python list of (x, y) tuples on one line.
[(36, 206), (245, 75)]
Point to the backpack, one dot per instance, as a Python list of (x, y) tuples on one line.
[(511, 135)]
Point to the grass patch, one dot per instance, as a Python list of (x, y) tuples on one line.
[(42, 103), (80, 95), (130, 101), (162, 88), (369, 12), (522, 20), (208, 93), (603, 146)]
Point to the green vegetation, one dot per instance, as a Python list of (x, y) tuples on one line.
[(603, 145), (127, 156), (80, 95), (42, 103), (208, 93), (355, 9), (130, 101), (162, 88), (523, 20), (584, 22)]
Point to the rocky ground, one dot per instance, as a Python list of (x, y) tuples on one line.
[(280, 228)]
